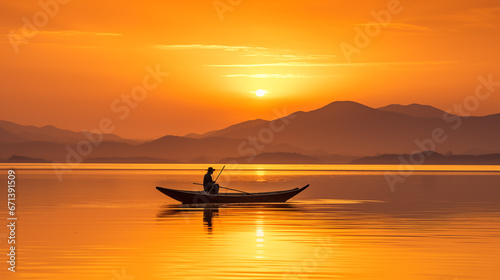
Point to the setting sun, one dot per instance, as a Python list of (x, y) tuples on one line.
[(260, 92)]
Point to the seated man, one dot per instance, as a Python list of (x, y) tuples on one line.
[(208, 183)]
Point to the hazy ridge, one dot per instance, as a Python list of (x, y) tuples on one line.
[(340, 132)]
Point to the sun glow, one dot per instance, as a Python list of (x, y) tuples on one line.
[(260, 92)]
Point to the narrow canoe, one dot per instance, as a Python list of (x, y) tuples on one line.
[(198, 197)]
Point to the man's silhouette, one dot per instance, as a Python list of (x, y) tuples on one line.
[(208, 183)]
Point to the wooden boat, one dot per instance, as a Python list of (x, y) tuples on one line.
[(200, 197)]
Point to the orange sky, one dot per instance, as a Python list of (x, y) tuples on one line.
[(89, 53)]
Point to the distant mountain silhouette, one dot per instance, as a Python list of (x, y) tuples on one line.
[(35, 149), (335, 133), (23, 159), (268, 158), (350, 128), (229, 130), (48, 133), (478, 152), (9, 137), (128, 160), (431, 158), (414, 110), (168, 148), (188, 149)]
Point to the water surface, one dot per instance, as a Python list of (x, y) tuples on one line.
[(109, 222)]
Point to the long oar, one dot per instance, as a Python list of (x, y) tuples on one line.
[(219, 174), (225, 188)]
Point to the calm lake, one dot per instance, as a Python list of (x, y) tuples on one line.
[(107, 221)]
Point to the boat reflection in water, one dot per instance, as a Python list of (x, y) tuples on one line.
[(211, 211), (208, 214)]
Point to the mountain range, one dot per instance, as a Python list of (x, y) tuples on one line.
[(339, 132)]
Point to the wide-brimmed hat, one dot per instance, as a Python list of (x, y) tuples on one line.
[(210, 169)]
